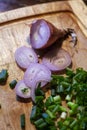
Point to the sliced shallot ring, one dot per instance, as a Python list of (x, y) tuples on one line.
[(24, 56), (36, 73), (22, 90), (57, 59)]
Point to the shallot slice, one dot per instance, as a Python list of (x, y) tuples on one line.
[(36, 73), (57, 59), (22, 90), (24, 56), (43, 34)]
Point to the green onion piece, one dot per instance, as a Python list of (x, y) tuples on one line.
[(56, 109), (49, 101), (66, 122), (63, 115), (60, 124), (52, 128), (39, 100), (83, 125), (3, 76), (13, 84), (69, 72), (62, 109), (52, 116), (51, 107), (22, 121), (39, 121), (73, 123), (53, 92), (76, 127), (65, 84), (45, 115), (25, 90), (68, 97), (49, 121), (42, 125), (34, 113), (72, 105), (63, 128), (71, 112), (60, 89), (39, 92), (57, 98)]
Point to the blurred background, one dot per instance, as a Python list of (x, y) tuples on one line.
[(6, 5)]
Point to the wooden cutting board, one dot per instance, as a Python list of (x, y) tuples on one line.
[(14, 32)]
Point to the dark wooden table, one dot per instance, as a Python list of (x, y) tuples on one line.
[(6, 5)]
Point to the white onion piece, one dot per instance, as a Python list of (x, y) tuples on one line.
[(24, 56), (35, 74), (22, 90), (57, 59)]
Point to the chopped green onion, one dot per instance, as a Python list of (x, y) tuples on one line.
[(25, 90), (39, 121), (68, 97), (73, 123), (22, 121), (50, 114), (71, 88), (44, 115), (62, 109), (65, 84), (13, 84), (60, 89), (33, 114), (42, 125), (72, 105), (49, 121), (56, 109), (69, 72), (63, 115), (52, 107), (52, 128), (3, 76), (57, 98), (66, 122), (53, 92)]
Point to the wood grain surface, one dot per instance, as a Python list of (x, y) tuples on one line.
[(14, 32)]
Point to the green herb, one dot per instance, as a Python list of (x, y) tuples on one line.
[(51, 115), (72, 89), (13, 84), (3, 76), (72, 105), (39, 121), (22, 121), (25, 90)]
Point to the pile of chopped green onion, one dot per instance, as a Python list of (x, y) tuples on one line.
[(66, 107)]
